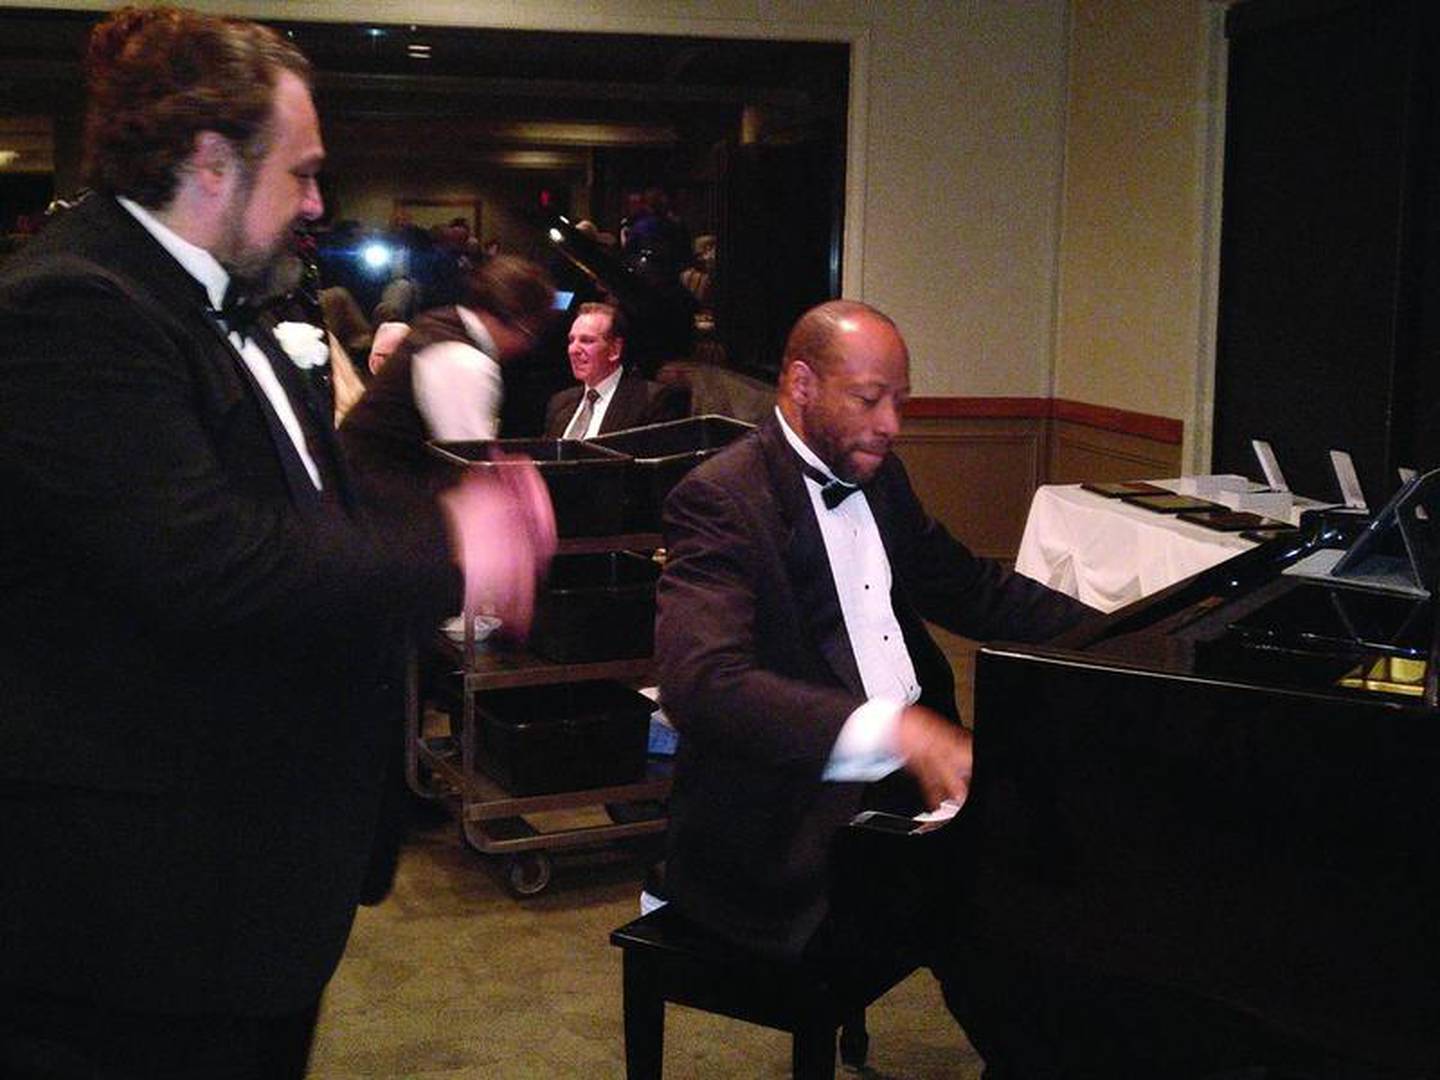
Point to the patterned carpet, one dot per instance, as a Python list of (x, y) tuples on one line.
[(451, 977)]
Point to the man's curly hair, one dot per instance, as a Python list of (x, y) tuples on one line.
[(158, 77)]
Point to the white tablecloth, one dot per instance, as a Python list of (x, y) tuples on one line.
[(1108, 553)]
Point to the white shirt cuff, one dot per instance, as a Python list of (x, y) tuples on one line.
[(865, 749)]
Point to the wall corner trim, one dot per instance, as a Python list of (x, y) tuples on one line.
[(1162, 429)]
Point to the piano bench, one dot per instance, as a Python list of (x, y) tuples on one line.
[(667, 959)]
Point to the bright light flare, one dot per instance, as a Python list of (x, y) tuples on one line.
[(376, 256)]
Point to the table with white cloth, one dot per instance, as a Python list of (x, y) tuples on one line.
[(1108, 553)]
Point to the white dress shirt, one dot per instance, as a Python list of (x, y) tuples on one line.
[(865, 749), (458, 388), (206, 269), (606, 389)]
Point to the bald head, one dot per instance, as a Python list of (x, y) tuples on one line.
[(845, 377), (819, 335)]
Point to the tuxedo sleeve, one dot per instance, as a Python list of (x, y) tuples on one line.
[(949, 585), (112, 420), (735, 673)]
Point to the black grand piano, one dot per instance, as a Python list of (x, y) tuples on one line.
[(1231, 789)]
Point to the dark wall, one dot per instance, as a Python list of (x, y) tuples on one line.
[(1328, 284)]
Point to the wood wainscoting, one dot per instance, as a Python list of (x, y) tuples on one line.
[(1088, 442), (976, 462), (976, 475)]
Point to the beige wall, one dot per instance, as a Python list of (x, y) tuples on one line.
[(963, 185), (1137, 228), (976, 128)]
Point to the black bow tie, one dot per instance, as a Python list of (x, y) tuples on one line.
[(832, 492), (836, 492), (237, 312)]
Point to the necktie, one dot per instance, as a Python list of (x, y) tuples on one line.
[(832, 492), (581, 424)]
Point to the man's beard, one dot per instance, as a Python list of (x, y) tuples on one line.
[(263, 274), (837, 454), (277, 276)]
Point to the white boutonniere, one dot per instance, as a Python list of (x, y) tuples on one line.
[(303, 343)]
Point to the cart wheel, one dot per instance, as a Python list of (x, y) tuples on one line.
[(528, 873)]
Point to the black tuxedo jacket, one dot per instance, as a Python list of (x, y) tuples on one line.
[(190, 745), (757, 672), (637, 402)]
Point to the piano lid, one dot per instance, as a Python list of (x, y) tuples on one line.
[(1253, 619), (658, 313), (659, 309)]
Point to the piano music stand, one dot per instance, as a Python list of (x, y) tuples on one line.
[(1269, 465), (1352, 495), (1399, 551)]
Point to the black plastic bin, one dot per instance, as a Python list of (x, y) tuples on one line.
[(662, 454), (596, 607), (566, 737), (586, 482)]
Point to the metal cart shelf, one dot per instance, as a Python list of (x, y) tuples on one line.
[(493, 821)]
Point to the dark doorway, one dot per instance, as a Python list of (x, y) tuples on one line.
[(1329, 327)]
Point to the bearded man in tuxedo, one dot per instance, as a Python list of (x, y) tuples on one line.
[(195, 614)]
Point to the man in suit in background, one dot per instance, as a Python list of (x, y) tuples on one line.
[(610, 397), (793, 659), (195, 615)]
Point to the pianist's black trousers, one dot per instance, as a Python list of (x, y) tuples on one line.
[(45, 1037)]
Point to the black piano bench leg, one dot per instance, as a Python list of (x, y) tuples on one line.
[(644, 1022), (667, 960), (854, 1040), (812, 1051)]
